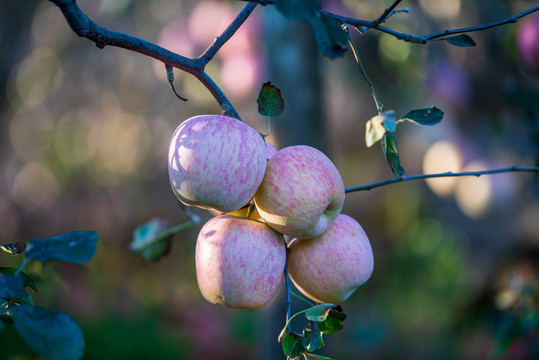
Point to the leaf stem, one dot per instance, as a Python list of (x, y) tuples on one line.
[(21, 266), (379, 105), (269, 128), (287, 325), (177, 228), (301, 298), (439, 175)]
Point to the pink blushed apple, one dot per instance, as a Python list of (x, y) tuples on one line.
[(239, 262), (216, 162), (270, 150), (302, 192), (330, 267)]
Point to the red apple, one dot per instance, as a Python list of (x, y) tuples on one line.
[(239, 262), (302, 192), (216, 162), (270, 150), (330, 267), (528, 43)]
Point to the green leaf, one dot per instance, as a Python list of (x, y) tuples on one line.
[(320, 312), (430, 116), (312, 337), (329, 317), (54, 335), (333, 323), (270, 100), (11, 287), (292, 344), (27, 280), (389, 146), (461, 40), (5, 316), (298, 9), (378, 125), (149, 242), (77, 247), (331, 36), (153, 240), (14, 249)]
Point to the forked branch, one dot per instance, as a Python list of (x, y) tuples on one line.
[(414, 38), (83, 26)]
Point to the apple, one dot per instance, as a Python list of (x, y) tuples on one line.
[(270, 150), (239, 262), (302, 192), (330, 267), (528, 43), (216, 162)]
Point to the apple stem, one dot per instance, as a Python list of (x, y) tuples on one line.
[(249, 211), (287, 285)]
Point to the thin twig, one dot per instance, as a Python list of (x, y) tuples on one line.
[(413, 38), (386, 14), (83, 26), (439, 175), (170, 78), (379, 105), (219, 41), (399, 11), (510, 20)]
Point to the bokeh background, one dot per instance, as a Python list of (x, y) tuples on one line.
[(84, 134)]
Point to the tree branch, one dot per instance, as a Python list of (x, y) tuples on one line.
[(227, 34), (83, 26), (386, 13), (510, 20), (413, 38), (439, 175)]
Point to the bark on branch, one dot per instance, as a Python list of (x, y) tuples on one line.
[(83, 26)]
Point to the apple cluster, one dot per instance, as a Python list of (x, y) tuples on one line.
[(221, 164)]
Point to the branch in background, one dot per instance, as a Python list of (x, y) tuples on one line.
[(423, 39), (510, 20), (413, 38), (83, 26), (446, 174)]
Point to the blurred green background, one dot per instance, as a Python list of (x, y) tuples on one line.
[(84, 135)]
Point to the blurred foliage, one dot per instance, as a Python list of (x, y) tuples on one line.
[(84, 138)]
